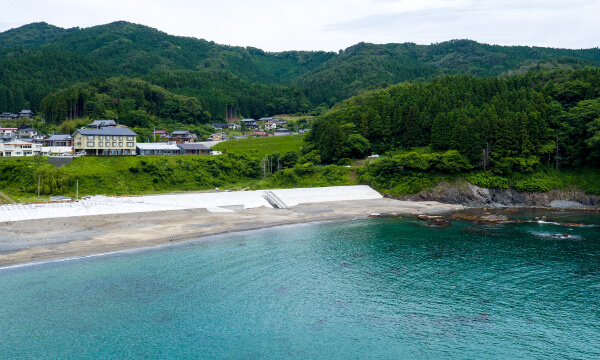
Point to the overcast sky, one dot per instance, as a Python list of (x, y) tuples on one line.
[(277, 25)]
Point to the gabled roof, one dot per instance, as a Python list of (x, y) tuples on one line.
[(59, 137), (113, 131), (180, 132), (100, 123), (26, 112), (193, 146)]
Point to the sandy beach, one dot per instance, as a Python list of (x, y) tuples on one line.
[(52, 238)]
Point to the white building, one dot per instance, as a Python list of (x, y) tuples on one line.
[(20, 148)]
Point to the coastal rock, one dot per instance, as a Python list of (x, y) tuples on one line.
[(467, 194), (493, 218), (564, 204)]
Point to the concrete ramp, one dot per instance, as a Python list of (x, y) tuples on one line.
[(274, 200)]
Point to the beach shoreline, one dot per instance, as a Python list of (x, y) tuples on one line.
[(38, 240)]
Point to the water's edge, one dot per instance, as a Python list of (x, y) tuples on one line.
[(469, 195)]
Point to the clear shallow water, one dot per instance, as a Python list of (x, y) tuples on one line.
[(369, 289)]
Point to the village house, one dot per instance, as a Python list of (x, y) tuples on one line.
[(233, 126), (25, 114), (219, 126), (195, 149), (20, 148), (220, 136), (97, 124), (109, 140), (59, 140), (9, 132), (157, 149), (163, 134), (183, 137), (27, 133), (250, 124), (270, 126), (282, 132)]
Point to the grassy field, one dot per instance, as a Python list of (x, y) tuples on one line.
[(261, 146), (293, 117)]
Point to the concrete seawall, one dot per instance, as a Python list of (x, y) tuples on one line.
[(213, 202)]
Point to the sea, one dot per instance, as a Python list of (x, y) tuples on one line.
[(377, 288)]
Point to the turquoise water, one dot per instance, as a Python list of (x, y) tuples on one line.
[(368, 289)]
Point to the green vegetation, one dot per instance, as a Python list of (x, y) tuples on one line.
[(498, 116), (259, 147), (39, 59), (121, 175), (505, 125), (128, 175)]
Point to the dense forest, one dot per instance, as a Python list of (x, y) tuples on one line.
[(39, 59), (462, 122)]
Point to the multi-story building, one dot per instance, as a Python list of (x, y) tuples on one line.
[(20, 148), (108, 140)]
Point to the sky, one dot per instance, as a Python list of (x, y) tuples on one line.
[(331, 25)]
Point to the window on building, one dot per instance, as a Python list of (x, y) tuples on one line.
[(90, 144), (114, 138), (100, 144), (130, 138), (90, 137), (107, 144), (114, 144), (120, 138), (120, 144), (129, 144), (100, 138)]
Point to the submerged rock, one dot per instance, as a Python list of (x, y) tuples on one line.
[(494, 218)]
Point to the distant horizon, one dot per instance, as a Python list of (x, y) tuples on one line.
[(331, 25), (289, 50)]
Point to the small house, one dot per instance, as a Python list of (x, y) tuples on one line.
[(194, 149), (157, 149)]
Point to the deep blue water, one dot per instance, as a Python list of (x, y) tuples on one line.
[(368, 289)]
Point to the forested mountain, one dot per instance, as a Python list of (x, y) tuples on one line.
[(39, 59), (506, 125)]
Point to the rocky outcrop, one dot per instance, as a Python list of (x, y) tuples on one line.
[(467, 194)]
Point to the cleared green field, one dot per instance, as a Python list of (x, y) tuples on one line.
[(261, 146), (293, 117)]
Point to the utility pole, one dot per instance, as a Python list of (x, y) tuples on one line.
[(39, 182), (77, 190)]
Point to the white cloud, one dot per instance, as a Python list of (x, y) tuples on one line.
[(332, 24)]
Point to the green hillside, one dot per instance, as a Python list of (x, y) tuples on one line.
[(39, 59)]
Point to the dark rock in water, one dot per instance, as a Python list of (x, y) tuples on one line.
[(493, 218), (434, 220), (429, 217)]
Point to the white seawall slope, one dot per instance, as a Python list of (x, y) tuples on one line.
[(293, 197), (103, 205)]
